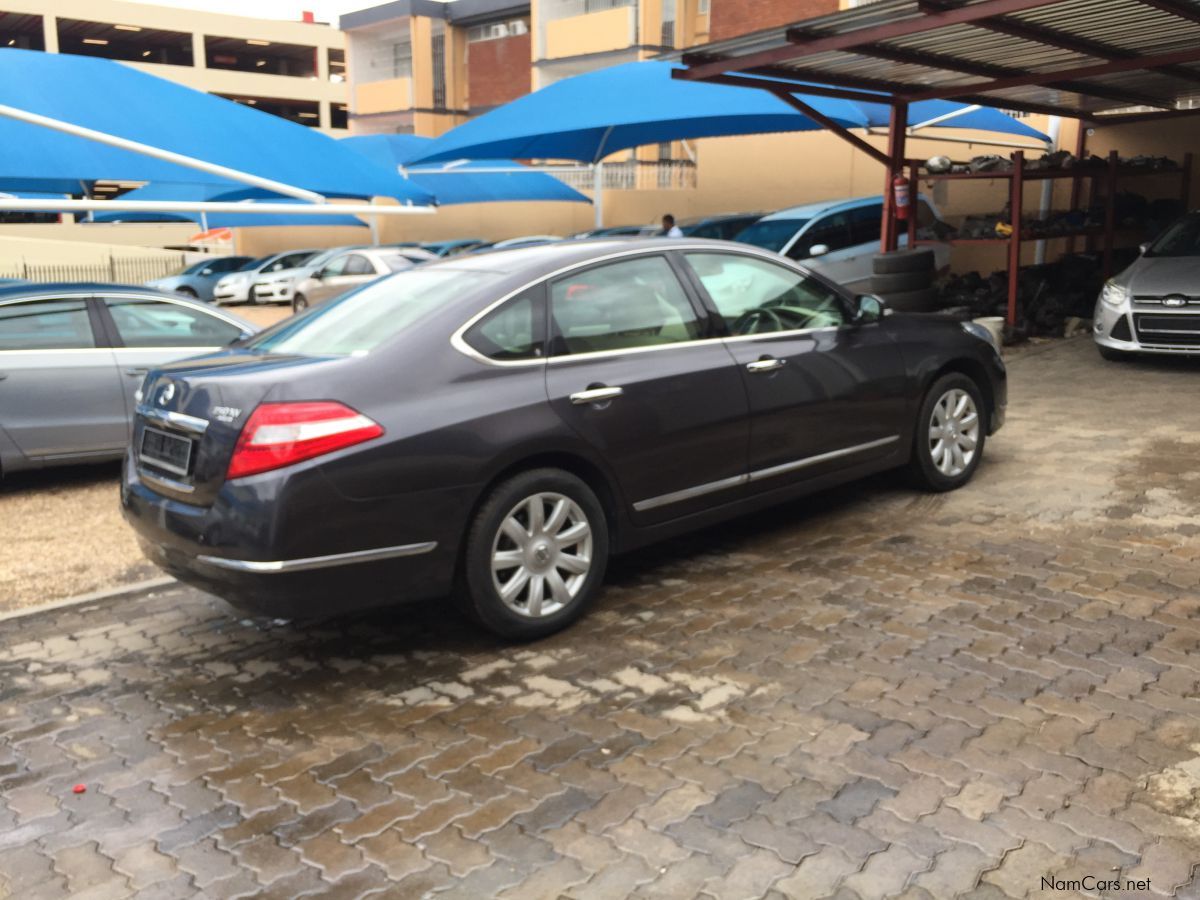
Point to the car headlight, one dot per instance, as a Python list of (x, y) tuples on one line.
[(981, 332), (1114, 294)]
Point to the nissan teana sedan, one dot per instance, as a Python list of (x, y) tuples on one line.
[(493, 427)]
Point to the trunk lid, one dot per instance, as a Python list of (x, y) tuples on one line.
[(191, 413)]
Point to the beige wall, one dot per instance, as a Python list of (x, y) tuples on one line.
[(261, 241), (37, 250), (383, 96), (613, 29)]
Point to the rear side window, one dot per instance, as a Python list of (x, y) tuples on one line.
[(156, 323), (621, 306), (515, 331), (46, 325), (357, 264)]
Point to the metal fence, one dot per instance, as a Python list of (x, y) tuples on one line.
[(120, 270), (638, 174)]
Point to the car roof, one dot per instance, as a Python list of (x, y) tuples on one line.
[(42, 289), (809, 210), (719, 217)]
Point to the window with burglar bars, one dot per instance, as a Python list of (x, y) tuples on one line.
[(439, 69), (668, 23)]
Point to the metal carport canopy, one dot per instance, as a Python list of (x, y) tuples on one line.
[(1103, 60)]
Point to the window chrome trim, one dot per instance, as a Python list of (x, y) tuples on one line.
[(758, 474), (274, 567), (458, 342)]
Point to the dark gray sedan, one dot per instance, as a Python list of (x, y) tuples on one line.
[(494, 426), (72, 356)]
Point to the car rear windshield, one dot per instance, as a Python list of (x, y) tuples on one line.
[(1181, 239), (772, 234), (358, 322)]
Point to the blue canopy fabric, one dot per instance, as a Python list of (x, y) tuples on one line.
[(464, 186), (588, 117), (206, 192), (116, 99)]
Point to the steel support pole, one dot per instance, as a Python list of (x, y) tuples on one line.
[(598, 193)]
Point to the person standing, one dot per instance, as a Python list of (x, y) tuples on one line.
[(669, 228)]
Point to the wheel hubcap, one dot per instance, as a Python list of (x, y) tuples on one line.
[(541, 554), (954, 432)]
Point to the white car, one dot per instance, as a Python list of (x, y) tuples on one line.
[(838, 238), (238, 287), (280, 286)]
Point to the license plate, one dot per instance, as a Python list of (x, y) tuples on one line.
[(167, 451)]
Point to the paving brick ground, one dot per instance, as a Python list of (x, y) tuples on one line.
[(873, 693)]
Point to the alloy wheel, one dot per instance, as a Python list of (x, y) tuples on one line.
[(954, 432), (541, 554)]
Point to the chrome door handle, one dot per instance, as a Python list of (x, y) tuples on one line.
[(765, 365), (136, 372), (596, 395)]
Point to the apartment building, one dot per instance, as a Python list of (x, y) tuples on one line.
[(295, 70)]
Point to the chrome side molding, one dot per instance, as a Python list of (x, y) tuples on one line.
[(272, 567)]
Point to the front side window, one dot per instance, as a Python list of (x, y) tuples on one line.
[(770, 234), (45, 325), (157, 323), (755, 296), (866, 224), (515, 331), (832, 232), (335, 267), (621, 306)]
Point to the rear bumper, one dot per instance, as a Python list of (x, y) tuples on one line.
[(248, 548)]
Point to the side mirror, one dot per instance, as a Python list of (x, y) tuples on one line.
[(318, 275), (1142, 248), (868, 308), (818, 250), (207, 270)]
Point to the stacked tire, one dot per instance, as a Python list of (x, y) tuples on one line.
[(905, 280)]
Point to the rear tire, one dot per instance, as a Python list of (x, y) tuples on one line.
[(535, 555), (187, 292), (299, 303), (1114, 355), (950, 434)]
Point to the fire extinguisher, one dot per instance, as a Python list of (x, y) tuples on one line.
[(900, 197)]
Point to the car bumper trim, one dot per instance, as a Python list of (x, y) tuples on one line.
[(271, 567)]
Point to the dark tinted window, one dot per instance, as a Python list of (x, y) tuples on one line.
[(1180, 239), (45, 325), (866, 223), (833, 231), (514, 331), (771, 234), (620, 306), (755, 296), (157, 323), (229, 263)]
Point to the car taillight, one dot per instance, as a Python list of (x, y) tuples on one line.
[(280, 434)]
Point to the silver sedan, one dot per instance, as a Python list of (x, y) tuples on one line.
[(72, 357), (352, 269)]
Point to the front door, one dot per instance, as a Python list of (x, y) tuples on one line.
[(60, 394), (824, 393), (631, 373)]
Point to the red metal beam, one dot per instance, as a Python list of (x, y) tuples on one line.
[(888, 31), (772, 86), (825, 122), (1108, 68), (897, 135)]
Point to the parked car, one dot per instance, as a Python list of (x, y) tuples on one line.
[(451, 248), (280, 287), (72, 357), (199, 279), (722, 227), (837, 239), (529, 240), (239, 286), (1154, 305), (502, 428), (346, 271), (619, 231)]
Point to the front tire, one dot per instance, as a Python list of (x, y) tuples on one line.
[(535, 555), (299, 303), (950, 434)]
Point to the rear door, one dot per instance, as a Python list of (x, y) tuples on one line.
[(330, 280), (60, 394), (149, 332), (823, 393), (631, 371)]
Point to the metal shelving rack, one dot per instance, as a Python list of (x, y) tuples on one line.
[(1110, 174)]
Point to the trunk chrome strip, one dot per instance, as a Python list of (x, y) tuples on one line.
[(179, 420), (758, 474), (273, 567)]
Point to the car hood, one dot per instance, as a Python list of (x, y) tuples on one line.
[(1157, 276)]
